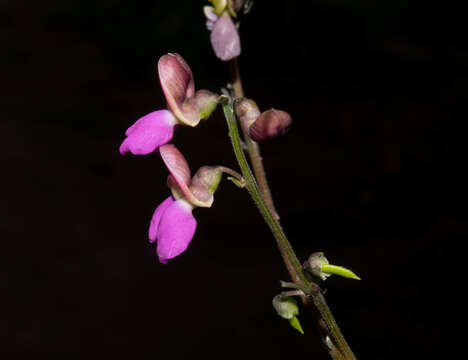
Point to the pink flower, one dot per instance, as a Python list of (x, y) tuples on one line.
[(172, 225), (185, 107)]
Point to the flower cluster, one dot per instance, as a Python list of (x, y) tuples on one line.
[(173, 225)]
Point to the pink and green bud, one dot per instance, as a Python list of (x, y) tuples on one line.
[(270, 124)]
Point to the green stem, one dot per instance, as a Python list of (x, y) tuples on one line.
[(257, 197), (342, 349)]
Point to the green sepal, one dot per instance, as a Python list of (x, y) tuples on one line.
[(339, 270), (219, 6), (296, 324)]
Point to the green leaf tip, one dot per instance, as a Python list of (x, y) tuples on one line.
[(339, 270), (296, 324)]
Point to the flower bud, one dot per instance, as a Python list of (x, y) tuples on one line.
[(269, 125), (247, 111), (318, 265), (225, 39), (314, 265), (285, 306)]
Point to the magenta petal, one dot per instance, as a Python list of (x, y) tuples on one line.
[(148, 133), (156, 218), (175, 230), (225, 39)]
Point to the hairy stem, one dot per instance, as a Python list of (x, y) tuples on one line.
[(252, 147), (341, 350)]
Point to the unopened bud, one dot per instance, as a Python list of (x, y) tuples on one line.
[(225, 39), (318, 265), (270, 124), (314, 265), (286, 307), (247, 112)]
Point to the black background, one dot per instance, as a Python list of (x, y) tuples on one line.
[(372, 174)]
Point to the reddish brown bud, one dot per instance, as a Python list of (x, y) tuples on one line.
[(270, 124)]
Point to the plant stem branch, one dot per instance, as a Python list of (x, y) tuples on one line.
[(341, 350), (251, 185)]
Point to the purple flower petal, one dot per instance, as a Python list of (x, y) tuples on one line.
[(225, 39), (156, 218), (175, 231), (148, 133)]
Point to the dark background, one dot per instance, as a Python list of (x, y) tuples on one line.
[(372, 174)]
